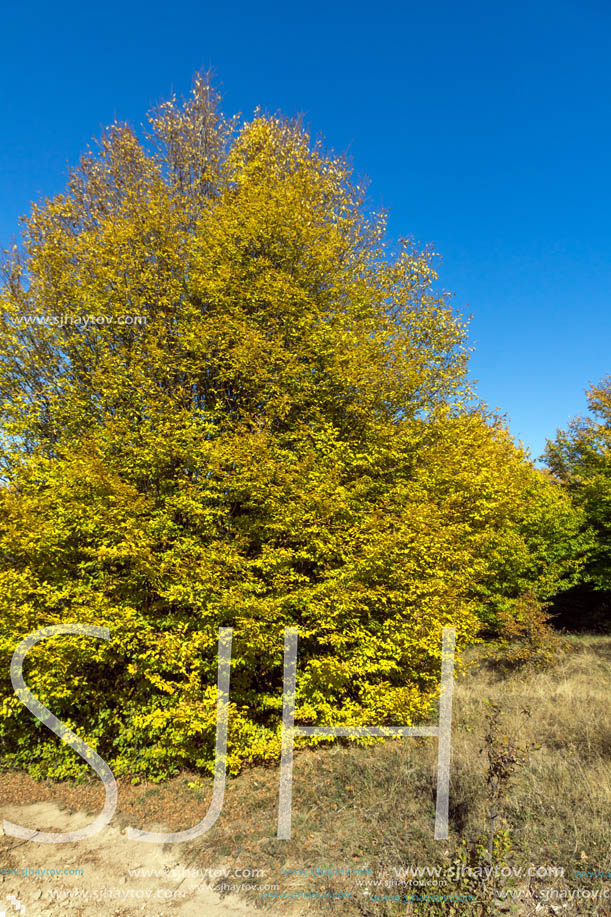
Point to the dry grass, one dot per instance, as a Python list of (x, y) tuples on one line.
[(372, 808)]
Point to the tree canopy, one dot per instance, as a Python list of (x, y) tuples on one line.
[(580, 457), (286, 436)]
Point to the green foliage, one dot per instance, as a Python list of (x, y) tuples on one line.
[(289, 438), (580, 457)]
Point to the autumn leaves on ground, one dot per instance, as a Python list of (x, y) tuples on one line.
[(227, 399)]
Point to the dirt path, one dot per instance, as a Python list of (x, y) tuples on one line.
[(104, 885)]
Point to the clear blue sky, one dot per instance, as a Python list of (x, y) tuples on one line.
[(485, 128)]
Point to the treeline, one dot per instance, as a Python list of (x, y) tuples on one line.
[(580, 459)]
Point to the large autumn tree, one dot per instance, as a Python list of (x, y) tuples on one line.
[(285, 435)]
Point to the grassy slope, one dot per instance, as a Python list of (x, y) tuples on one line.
[(372, 808)]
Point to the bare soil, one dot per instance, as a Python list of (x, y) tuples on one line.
[(104, 861)]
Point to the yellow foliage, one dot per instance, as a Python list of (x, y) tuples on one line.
[(286, 437)]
